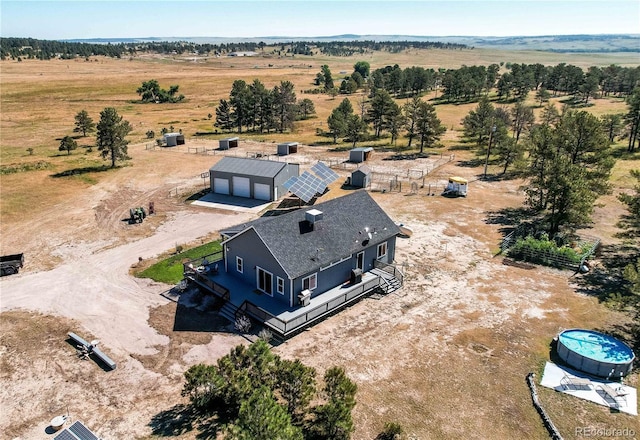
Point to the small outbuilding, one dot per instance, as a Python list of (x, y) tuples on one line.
[(361, 178), (227, 143), (251, 178), (173, 139), (360, 154), (287, 148)]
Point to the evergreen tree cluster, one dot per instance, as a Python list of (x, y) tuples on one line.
[(257, 395), (255, 108), (470, 82), (354, 47), (31, 48)]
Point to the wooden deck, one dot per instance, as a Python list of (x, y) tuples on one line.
[(284, 321)]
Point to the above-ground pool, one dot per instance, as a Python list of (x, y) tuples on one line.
[(595, 353)]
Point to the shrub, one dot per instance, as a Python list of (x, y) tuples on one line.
[(543, 251)]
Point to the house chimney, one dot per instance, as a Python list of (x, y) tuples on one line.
[(313, 216)]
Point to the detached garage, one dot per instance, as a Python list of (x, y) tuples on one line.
[(251, 178)]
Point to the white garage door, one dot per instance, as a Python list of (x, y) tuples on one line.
[(261, 191), (241, 186), (220, 186)]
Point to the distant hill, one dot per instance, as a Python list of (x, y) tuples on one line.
[(554, 43)]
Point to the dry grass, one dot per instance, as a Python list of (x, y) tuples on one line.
[(443, 366)]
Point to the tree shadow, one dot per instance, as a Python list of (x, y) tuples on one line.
[(322, 143), (463, 146), (623, 153), (340, 149), (509, 218), (471, 163), (606, 280), (181, 419), (83, 170)]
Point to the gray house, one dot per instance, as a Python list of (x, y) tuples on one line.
[(361, 177), (293, 269), (360, 154), (251, 178)]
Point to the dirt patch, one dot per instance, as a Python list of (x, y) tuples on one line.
[(465, 329)]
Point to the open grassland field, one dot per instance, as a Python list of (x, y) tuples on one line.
[(446, 356)]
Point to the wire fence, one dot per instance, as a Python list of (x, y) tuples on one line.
[(584, 245)]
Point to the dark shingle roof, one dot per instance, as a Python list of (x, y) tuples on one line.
[(248, 167), (341, 232)]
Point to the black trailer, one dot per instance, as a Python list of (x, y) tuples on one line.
[(10, 264)]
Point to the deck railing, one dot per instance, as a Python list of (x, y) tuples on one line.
[(390, 268), (203, 279), (285, 328), (207, 260)]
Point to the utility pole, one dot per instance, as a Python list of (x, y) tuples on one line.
[(486, 161)]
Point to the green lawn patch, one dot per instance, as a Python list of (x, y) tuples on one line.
[(169, 270)]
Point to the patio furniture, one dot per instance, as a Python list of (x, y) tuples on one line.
[(574, 382), (612, 395)]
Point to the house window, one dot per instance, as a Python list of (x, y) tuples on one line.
[(265, 281), (239, 264), (382, 250), (360, 261), (280, 285), (310, 282)]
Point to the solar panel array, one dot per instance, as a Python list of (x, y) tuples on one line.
[(307, 185), (77, 431), (325, 173)]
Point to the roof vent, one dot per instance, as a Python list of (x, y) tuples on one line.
[(313, 216)]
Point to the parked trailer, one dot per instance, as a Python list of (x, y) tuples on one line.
[(10, 264)]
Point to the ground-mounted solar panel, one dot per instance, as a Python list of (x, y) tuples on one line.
[(77, 431), (289, 183), (313, 182), (326, 174), (307, 185), (65, 435)]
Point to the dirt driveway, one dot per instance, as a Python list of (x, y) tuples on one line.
[(460, 307)]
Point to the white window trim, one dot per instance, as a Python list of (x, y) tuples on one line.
[(240, 266), (358, 256), (280, 285), (336, 262), (380, 246), (315, 281)]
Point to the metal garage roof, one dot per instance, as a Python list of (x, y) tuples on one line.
[(248, 167)]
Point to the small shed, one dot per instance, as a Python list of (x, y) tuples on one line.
[(361, 177), (287, 148), (360, 154), (227, 143), (173, 139), (457, 186)]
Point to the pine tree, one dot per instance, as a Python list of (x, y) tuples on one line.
[(84, 123), (112, 131)]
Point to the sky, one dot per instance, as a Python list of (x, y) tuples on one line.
[(58, 20)]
